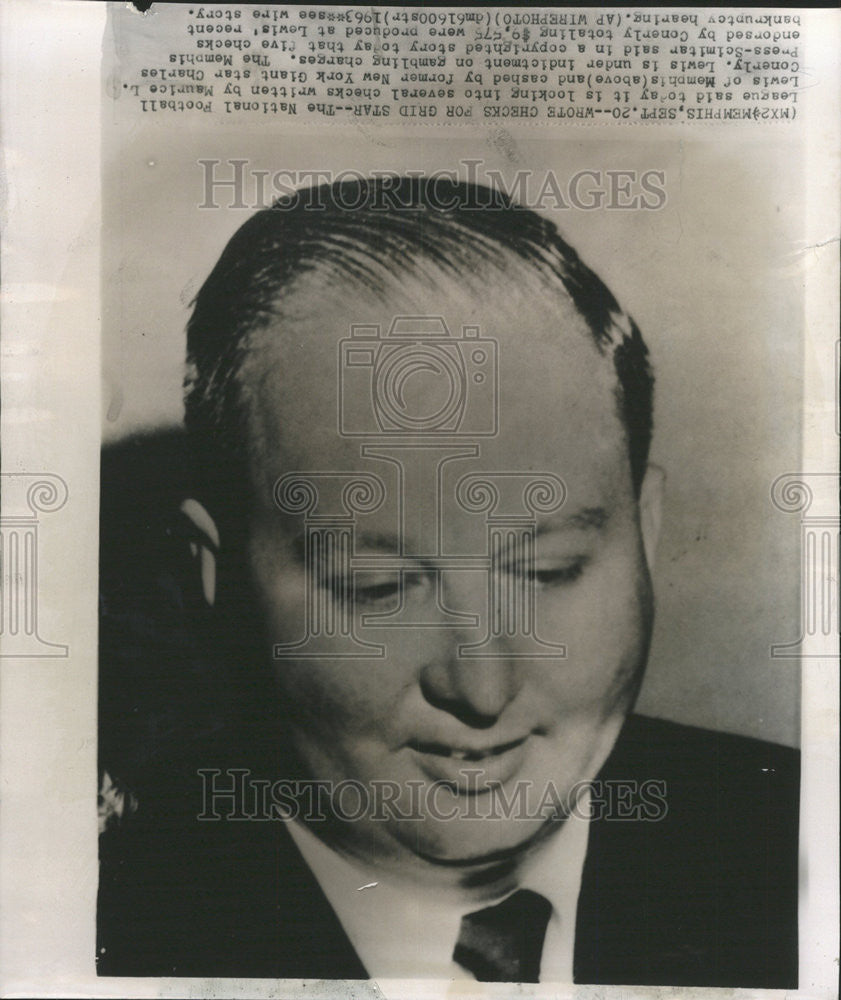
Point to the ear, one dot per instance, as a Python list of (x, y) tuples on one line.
[(651, 510), (204, 547)]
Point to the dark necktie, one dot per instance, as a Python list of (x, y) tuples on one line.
[(503, 943)]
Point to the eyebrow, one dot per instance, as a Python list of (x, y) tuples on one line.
[(585, 519), (379, 541)]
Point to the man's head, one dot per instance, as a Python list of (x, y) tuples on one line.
[(473, 675)]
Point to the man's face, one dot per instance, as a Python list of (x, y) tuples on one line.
[(447, 731)]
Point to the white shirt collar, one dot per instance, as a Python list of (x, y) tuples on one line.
[(402, 932)]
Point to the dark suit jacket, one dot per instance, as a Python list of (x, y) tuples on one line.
[(706, 896)]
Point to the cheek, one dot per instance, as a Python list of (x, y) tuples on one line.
[(332, 698), (279, 585), (333, 694), (605, 623)]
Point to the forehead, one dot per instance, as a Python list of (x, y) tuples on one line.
[(555, 396)]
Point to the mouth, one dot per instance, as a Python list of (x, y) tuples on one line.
[(469, 770), (463, 753)]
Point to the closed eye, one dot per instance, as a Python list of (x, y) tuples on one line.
[(565, 574), (550, 576), (382, 589), (378, 592)]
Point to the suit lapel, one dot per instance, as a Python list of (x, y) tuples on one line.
[(630, 922), (297, 934)]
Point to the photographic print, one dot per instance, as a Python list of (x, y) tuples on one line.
[(466, 506)]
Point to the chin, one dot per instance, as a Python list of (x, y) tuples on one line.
[(476, 842)]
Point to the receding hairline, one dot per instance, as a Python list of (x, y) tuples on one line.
[(243, 295), (414, 279), (262, 370)]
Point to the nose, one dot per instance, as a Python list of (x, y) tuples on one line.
[(475, 689)]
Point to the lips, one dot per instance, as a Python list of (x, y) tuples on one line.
[(469, 770), (464, 753)]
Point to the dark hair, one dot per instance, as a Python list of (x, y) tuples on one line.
[(364, 233)]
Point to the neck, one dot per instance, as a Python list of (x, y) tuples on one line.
[(481, 877)]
